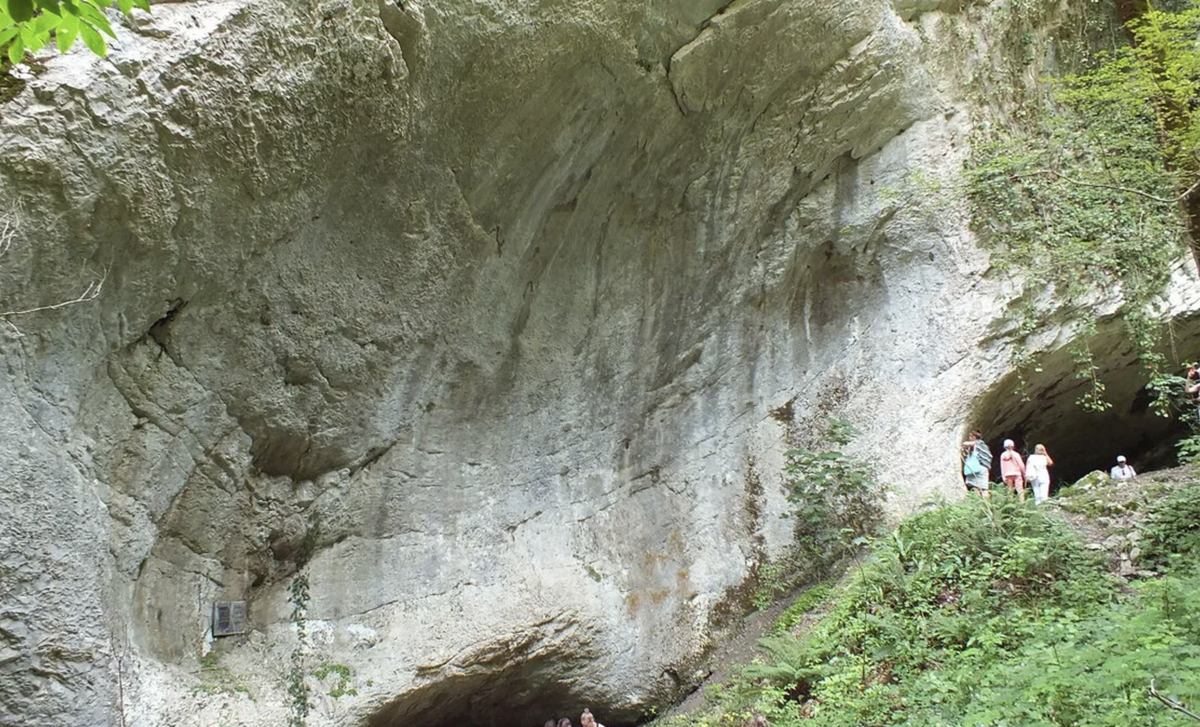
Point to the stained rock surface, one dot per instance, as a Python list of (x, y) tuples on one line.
[(491, 319)]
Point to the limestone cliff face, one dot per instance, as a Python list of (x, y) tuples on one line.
[(476, 312)]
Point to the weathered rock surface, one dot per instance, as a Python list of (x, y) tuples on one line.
[(478, 313)]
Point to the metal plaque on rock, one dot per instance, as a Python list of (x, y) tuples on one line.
[(229, 618)]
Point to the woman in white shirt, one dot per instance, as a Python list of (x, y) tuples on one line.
[(1037, 471)]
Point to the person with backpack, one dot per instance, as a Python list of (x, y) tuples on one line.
[(977, 464), (1037, 471)]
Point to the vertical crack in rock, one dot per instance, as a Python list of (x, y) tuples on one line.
[(160, 330), (404, 20)]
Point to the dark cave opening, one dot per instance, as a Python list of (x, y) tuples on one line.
[(1079, 440), (525, 694)]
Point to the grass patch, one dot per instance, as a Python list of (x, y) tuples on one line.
[(981, 614), (804, 605)]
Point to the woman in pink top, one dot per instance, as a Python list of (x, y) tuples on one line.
[(1012, 469)]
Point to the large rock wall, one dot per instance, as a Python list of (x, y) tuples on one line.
[(477, 313)]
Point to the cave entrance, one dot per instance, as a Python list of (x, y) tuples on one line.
[(525, 694), (1078, 440)]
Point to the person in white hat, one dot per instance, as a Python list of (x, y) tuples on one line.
[(1123, 470), (1012, 469)]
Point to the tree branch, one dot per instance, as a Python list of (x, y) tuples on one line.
[(92, 292), (8, 232), (1172, 704), (9, 225), (1115, 187), (1189, 191)]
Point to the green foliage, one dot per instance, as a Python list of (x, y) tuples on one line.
[(298, 688), (1171, 531), (339, 676), (1156, 76), (1096, 671), (30, 25), (794, 614), (1071, 199), (835, 496), (774, 577), (989, 614), (1066, 202), (1094, 188), (1169, 395), (1188, 449), (1092, 399), (949, 593)]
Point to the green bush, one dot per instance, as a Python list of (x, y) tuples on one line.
[(1171, 532), (947, 594), (988, 614), (835, 496), (1094, 672)]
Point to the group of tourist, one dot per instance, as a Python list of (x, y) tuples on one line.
[(1017, 471), (585, 720)]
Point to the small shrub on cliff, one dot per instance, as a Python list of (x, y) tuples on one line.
[(835, 496)]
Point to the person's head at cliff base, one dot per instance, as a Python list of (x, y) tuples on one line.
[(1009, 444)]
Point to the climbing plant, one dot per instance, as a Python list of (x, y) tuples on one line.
[(31, 25), (298, 689), (1158, 76), (1098, 189)]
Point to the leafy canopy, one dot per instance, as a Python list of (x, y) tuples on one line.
[(1100, 186), (1158, 72), (29, 25)]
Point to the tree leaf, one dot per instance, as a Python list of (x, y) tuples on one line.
[(96, 19), (92, 39), (33, 40), (44, 23), (7, 34), (16, 51), (125, 6), (21, 11), (66, 33)]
